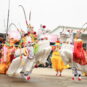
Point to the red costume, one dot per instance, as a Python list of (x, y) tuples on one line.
[(79, 54)]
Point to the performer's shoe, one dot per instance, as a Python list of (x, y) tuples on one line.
[(73, 78), (28, 78), (79, 78), (36, 66), (21, 72), (56, 74), (60, 75)]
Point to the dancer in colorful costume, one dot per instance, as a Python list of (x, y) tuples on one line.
[(23, 64), (79, 55), (57, 62)]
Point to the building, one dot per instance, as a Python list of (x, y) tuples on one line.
[(63, 29)]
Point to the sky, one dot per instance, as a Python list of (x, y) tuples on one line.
[(51, 13)]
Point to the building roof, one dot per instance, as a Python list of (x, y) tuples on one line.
[(66, 27)]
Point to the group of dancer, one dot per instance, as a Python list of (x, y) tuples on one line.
[(29, 41), (79, 56)]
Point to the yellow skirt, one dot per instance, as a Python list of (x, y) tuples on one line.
[(57, 62)]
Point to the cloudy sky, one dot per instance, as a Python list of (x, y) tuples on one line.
[(51, 13)]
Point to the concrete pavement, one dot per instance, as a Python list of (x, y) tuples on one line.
[(43, 77)]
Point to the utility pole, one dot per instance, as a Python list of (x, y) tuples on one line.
[(8, 20), (29, 17)]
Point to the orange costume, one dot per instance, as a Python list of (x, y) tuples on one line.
[(7, 57)]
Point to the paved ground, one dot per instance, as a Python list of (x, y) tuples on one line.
[(43, 77)]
